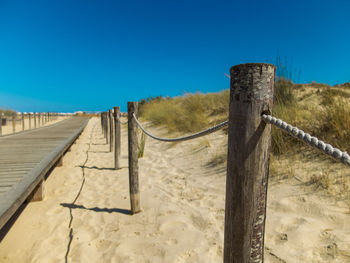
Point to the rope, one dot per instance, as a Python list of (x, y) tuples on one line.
[(123, 122), (344, 157), (185, 138)]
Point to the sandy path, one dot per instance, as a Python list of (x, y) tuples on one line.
[(85, 215), (181, 221)]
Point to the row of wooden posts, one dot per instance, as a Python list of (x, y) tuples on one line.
[(249, 140), (110, 123), (40, 119)]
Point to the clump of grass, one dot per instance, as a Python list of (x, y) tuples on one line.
[(336, 128), (283, 92), (189, 113), (285, 108), (329, 96), (322, 180)]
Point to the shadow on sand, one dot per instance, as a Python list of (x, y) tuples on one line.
[(97, 209)]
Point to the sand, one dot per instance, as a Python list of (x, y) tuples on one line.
[(85, 214), (8, 128)]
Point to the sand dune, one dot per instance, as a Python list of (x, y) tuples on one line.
[(85, 214)]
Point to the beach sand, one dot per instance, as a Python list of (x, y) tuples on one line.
[(85, 214)]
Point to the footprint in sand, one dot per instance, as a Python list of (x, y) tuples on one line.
[(103, 244)]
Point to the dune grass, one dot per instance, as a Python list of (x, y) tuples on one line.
[(189, 113), (328, 120)]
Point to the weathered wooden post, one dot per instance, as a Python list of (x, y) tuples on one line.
[(30, 121), (249, 139), (110, 115), (0, 123), (101, 119), (103, 123), (23, 121), (14, 122), (39, 119), (34, 115), (117, 138), (133, 158), (106, 126)]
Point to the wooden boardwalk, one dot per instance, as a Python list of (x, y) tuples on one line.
[(26, 157)]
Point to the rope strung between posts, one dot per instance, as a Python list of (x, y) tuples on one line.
[(344, 157), (185, 138), (123, 122)]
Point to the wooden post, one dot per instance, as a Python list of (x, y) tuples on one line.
[(117, 137), (249, 139), (110, 116), (39, 193), (13, 123), (103, 123), (34, 115), (133, 158), (39, 119), (59, 162), (101, 116), (23, 121), (30, 120), (106, 126), (0, 123)]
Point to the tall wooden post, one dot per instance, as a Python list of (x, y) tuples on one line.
[(39, 119), (103, 124), (249, 139), (117, 137), (23, 127), (0, 123), (110, 115), (101, 116), (106, 126), (14, 123), (133, 158), (30, 120), (34, 115)]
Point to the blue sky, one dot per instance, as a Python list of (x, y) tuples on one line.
[(62, 55)]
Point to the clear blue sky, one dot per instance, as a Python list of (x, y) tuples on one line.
[(66, 55)]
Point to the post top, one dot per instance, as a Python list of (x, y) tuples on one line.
[(251, 65)]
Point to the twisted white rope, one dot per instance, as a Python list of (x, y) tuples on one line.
[(344, 157), (192, 136)]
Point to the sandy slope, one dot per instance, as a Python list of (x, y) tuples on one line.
[(182, 198)]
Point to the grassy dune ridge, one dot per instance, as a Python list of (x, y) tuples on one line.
[(318, 109)]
